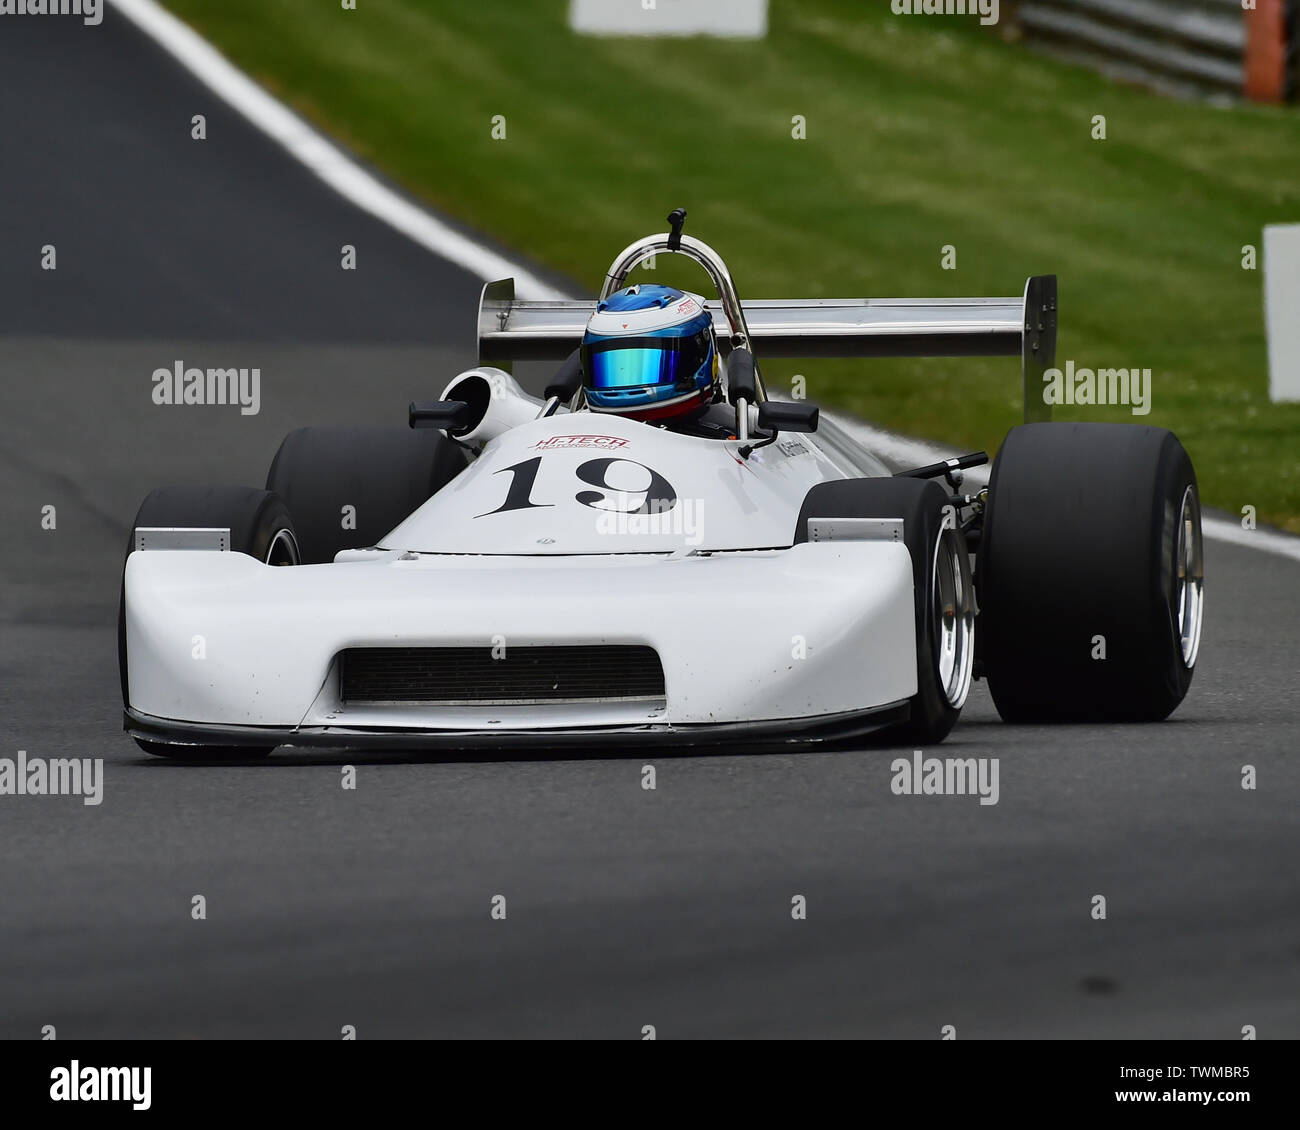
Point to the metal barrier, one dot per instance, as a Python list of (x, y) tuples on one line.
[(1206, 46)]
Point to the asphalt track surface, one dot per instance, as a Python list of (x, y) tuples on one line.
[(625, 907)]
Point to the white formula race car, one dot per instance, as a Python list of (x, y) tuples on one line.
[(513, 571)]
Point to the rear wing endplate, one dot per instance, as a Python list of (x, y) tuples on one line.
[(512, 330)]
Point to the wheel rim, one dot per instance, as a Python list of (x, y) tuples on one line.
[(954, 617), (283, 549), (1190, 584)]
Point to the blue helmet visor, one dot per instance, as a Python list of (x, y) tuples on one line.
[(644, 362)]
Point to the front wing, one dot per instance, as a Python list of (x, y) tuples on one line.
[(815, 642)]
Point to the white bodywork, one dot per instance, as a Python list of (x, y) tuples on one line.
[(719, 501), (537, 542)]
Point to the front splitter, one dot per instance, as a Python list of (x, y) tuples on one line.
[(825, 729)]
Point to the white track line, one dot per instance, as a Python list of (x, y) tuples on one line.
[(322, 157), (1270, 541), (336, 169)]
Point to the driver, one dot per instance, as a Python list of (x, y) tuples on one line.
[(650, 354)]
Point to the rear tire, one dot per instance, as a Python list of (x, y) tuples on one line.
[(941, 586), (382, 474), (1090, 574), (260, 526)]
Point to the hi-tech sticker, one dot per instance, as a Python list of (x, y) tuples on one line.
[(564, 443)]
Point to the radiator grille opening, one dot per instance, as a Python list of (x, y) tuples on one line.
[(470, 676)]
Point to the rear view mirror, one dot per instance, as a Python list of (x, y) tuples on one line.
[(787, 416), (450, 415)]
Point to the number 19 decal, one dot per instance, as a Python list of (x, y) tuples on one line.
[(655, 497)]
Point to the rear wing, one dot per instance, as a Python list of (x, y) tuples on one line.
[(512, 330)]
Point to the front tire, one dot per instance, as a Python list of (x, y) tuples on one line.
[(348, 487), (1091, 574)]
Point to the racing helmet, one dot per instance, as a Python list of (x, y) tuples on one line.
[(649, 353)]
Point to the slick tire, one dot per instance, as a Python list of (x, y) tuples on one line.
[(347, 487), (1090, 574)]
